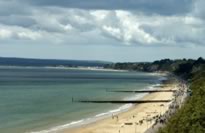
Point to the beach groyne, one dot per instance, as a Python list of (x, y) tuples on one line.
[(147, 114), (123, 102), (142, 91)]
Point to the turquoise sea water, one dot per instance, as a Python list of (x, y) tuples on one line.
[(36, 99)]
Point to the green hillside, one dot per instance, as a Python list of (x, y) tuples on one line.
[(191, 117)]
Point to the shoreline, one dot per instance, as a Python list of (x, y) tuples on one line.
[(98, 117), (129, 120), (104, 115), (67, 68)]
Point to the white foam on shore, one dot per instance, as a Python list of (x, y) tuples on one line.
[(86, 121), (100, 116), (54, 129)]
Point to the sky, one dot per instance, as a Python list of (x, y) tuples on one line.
[(109, 30)]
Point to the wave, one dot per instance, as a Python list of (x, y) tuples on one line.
[(54, 129), (99, 116)]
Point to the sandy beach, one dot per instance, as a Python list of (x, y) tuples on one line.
[(138, 119)]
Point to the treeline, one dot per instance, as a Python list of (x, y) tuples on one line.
[(183, 67), (191, 117)]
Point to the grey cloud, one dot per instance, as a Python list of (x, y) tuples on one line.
[(199, 10), (79, 19), (177, 30), (163, 7), (13, 7), (23, 21)]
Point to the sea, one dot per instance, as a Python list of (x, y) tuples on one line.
[(44, 100)]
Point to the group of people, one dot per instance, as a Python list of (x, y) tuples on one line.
[(179, 97), (160, 119)]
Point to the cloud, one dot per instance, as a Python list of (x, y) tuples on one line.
[(17, 20), (125, 27), (199, 10), (18, 33), (131, 22), (4, 33), (14, 7), (176, 30), (168, 7)]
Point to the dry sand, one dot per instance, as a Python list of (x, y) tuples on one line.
[(128, 122)]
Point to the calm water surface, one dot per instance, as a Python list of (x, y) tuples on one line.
[(35, 99)]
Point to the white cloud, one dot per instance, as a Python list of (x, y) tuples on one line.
[(4, 33), (115, 32), (16, 33), (99, 15), (29, 35), (131, 31)]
